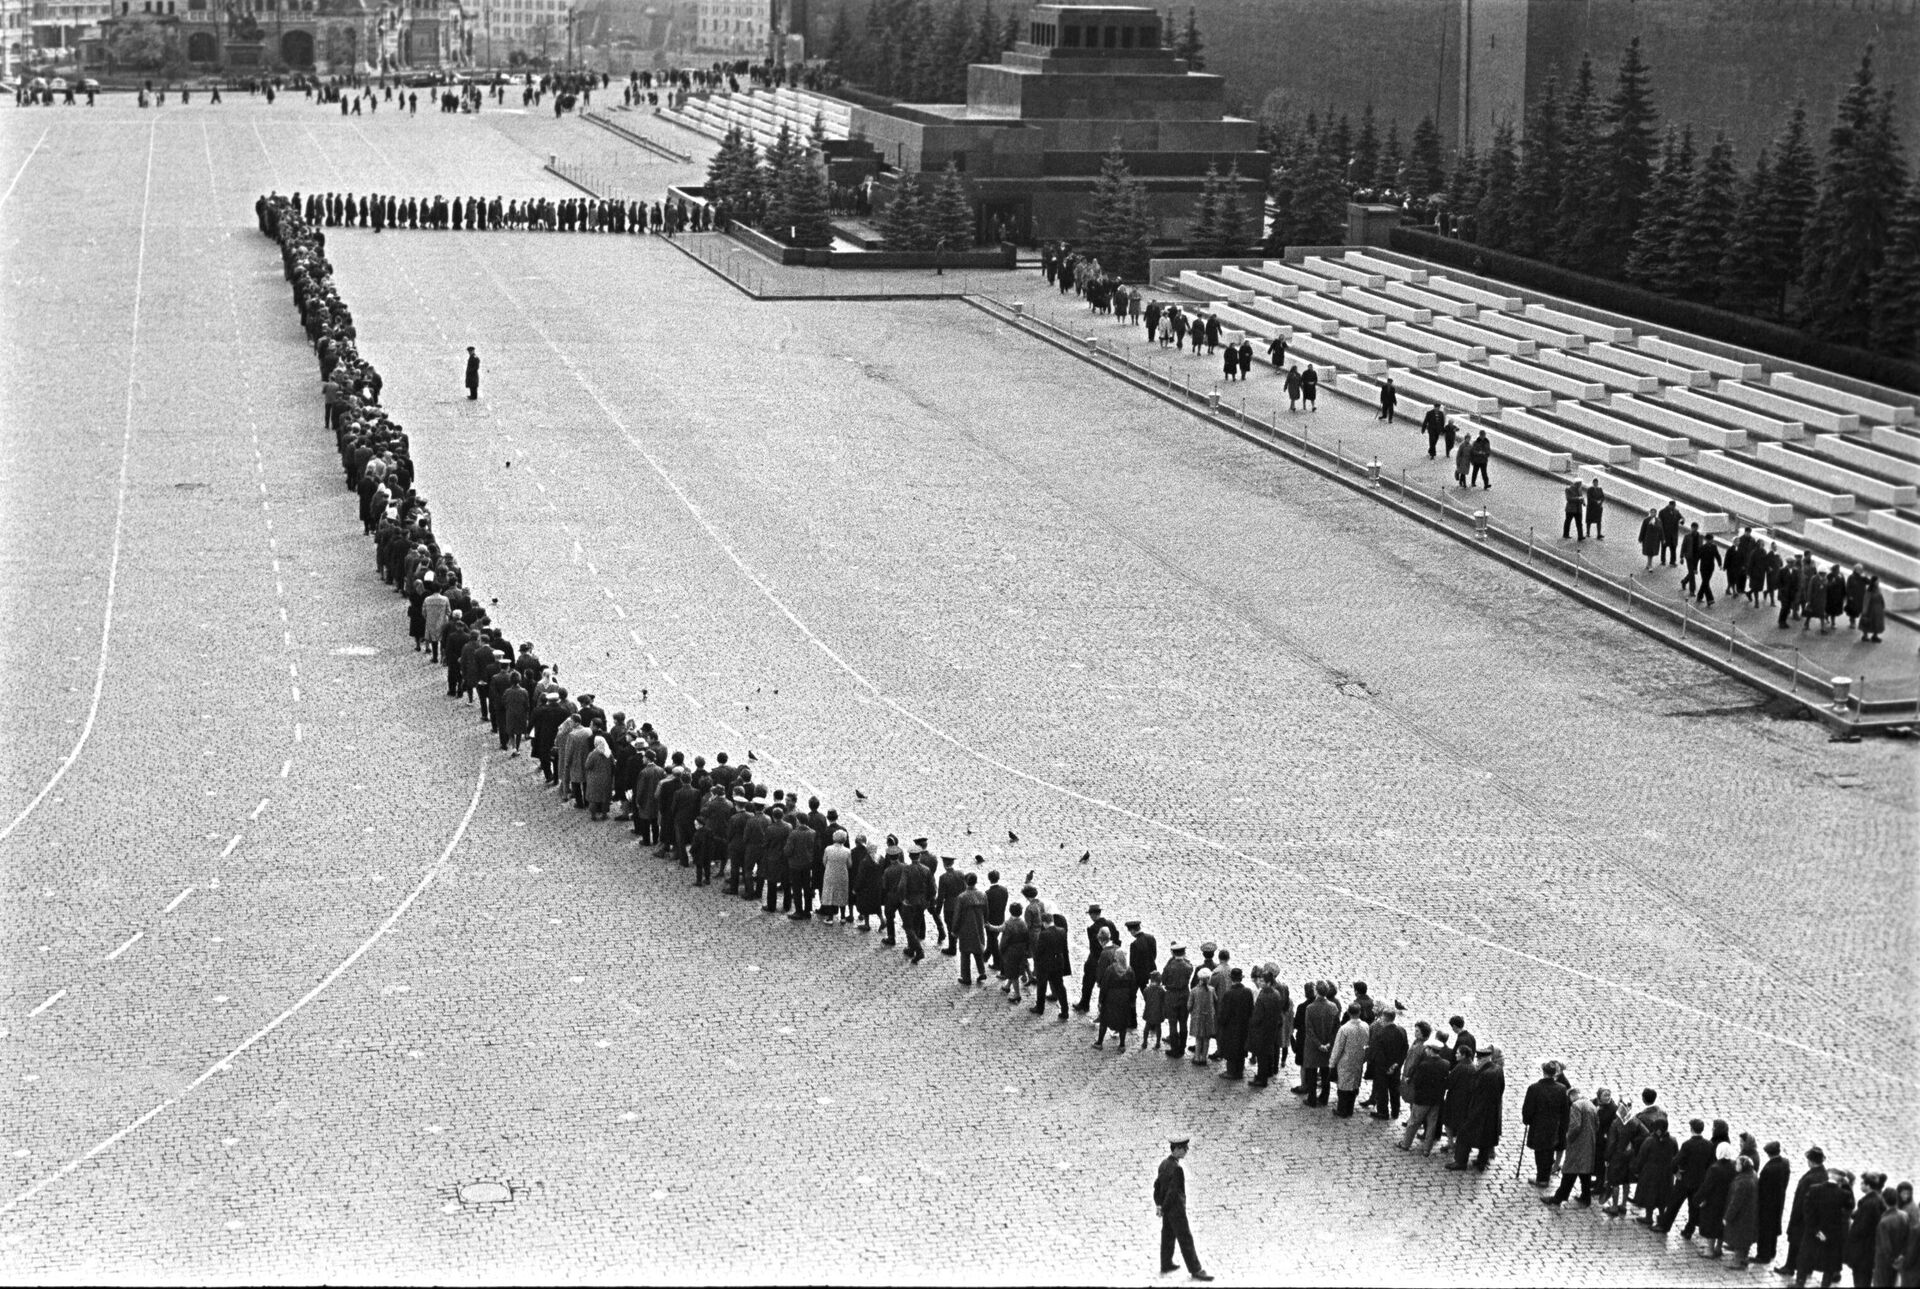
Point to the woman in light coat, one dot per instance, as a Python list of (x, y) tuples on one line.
[(597, 770), (1200, 1014), (836, 885), (1349, 1060)]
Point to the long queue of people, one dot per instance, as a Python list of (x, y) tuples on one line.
[(743, 838), (383, 211)]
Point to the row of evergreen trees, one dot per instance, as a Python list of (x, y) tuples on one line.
[(919, 50), (941, 220), (1597, 185), (781, 193)]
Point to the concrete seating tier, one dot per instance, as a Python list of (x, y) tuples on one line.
[(1387, 268), (1484, 382), (1346, 313), (1340, 270), (1589, 368), (1578, 325), (1731, 368), (1558, 434), (1259, 282), (1250, 322), (1867, 409), (1437, 387), (1280, 271), (1656, 415), (1398, 354), (1376, 302), (1706, 490), (1787, 409), (1602, 424), (1659, 368), (1630, 489), (1851, 452), (1710, 407), (1762, 481), (1895, 526), (1429, 339), (1322, 352), (1208, 288), (1822, 473), (1494, 341), (1497, 301), (1301, 320), (1539, 376), (1426, 298), (1541, 335), (1855, 545), (1885, 438)]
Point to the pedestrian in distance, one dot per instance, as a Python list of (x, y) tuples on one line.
[(1293, 389), (1310, 388), (1650, 538), (1389, 397), (1574, 514), (473, 373), (1480, 454), (1596, 510), (1277, 351), (1434, 424)]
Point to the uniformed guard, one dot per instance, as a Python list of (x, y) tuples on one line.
[(1170, 1199)]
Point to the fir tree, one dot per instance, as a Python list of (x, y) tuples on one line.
[(802, 200), (1650, 261), (1705, 224), (1014, 32), (1796, 185), (950, 222), (1113, 226), (1203, 238), (1188, 44), (1748, 283), (840, 40), (1343, 144), (1537, 183), (1582, 179), (1366, 149), (1426, 168), (1386, 174), (1627, 156), (722, 171), (1848, 233), (772, 209), (1234, 235), (903, 224), (1463, 185), (1493, 214), (986, 40), (1317, 201), (1893, 296)]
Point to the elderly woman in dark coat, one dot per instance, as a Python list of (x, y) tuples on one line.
[(1118, 990), (1653, 1169), (1740, 1219), (1873, 618), (1650, 537), (867, 889), (1623, 1155), (1013, 952)]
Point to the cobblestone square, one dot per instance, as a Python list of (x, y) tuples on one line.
[(294, 954)]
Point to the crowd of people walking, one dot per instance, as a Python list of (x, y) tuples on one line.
[(781, 851)]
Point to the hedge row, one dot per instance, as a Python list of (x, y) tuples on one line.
[(1682, 315)]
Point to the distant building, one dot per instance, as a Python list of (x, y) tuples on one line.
[(330, 37), (736, 27)]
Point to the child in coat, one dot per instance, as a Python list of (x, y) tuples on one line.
[(1155, 1012)]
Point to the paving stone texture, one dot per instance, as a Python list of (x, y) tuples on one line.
[(292, 955)]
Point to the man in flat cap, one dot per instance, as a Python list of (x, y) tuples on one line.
[(1170, 1200)]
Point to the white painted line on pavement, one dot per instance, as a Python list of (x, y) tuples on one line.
[(650, 659), (668, 678), (29, 161), (296, 693), (137, 937), (226, 1061), (690, 698), (50, 1002), (296, 732), (257, 809), (120, 503), (286, 767), (622, 612), (176, 900), (231, 843), (293, 669)]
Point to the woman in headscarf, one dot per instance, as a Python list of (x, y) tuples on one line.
[(599, 776), (1740, 1220), (1710, 1200), (1013, 952)]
